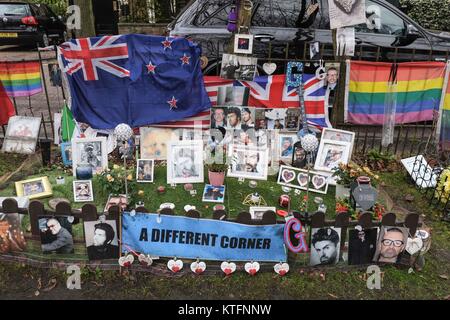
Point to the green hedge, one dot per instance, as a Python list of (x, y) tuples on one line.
[(430, 14)]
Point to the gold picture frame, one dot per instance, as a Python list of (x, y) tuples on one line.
[(35, 188)]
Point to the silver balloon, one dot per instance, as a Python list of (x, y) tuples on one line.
[(309, 142), (123, 132)]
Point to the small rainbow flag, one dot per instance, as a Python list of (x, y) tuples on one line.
[(445, 118), (21, 79), (419, 91)]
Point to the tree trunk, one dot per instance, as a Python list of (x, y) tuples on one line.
[(87, 19)]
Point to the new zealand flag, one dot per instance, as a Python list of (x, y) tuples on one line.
[(134, 79)]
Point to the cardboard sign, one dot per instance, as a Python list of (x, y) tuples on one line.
[(365, 196)]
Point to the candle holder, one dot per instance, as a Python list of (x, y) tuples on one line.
[(60, 180)]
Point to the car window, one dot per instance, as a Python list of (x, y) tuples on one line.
[(213, 13), (277, 13), (13, 10), (381, 20)]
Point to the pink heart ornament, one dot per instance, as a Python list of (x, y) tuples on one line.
[(251, 268), (198, 267), (126, 261), (228, 267), (175, 265), (145, 260), (281, 268)]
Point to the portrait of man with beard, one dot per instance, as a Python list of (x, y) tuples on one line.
[(325, 246)]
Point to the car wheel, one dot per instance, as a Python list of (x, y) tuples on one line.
[(44, 42)]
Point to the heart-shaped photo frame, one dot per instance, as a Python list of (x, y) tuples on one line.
[(302, 179), (414, 245), (175, 265), (126, 261), (319, 182), (228, 267), (288, 175), (281, 268), (198, 267), (252, 267), (145, 260)]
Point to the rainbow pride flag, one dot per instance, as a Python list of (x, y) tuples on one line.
[(419, 91), (445, 118), (21, 79)]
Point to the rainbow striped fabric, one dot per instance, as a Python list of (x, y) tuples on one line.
[(445, 118), (419, 91), (21, 79)]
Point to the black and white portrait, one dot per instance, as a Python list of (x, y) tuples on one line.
[(90, 151), (101, 239), (82, 191), (248, 162), (362, 244), (56, 235), (325, 246), (185, 162), (238, 67)]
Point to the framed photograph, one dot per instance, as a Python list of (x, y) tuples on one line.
[(185, 162), (257, 212), (331, 153), (248, 162), (300, 179), (286, 142), (391, 244), (35, 188), (116, 200), (82, 191), (233, 117), (21, 135), (18, 146), (56, 234), (213, 193), (325, 246), (339, 135), (23, 128), (238, 67), (101, 239), (66, 153), (144, 170), (243, 43), (271, 119), (90, 151), (154, 142), (292, 119)]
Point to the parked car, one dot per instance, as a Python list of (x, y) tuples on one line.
[(24, 23), (388, 34)]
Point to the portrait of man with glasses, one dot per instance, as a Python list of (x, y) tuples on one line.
[(391, 243)]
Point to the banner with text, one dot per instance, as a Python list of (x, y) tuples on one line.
[(182, 237)]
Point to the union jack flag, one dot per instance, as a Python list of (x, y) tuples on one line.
[(87, 56)]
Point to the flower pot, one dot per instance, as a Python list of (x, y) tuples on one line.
[(216, 178), (342, 192)]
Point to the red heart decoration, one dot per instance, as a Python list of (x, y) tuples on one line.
[(198, 270), (282, 272), (175, 268), (228, 271), (252, 271), (127, 264)]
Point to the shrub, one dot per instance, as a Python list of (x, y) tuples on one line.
[(430, 14)]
